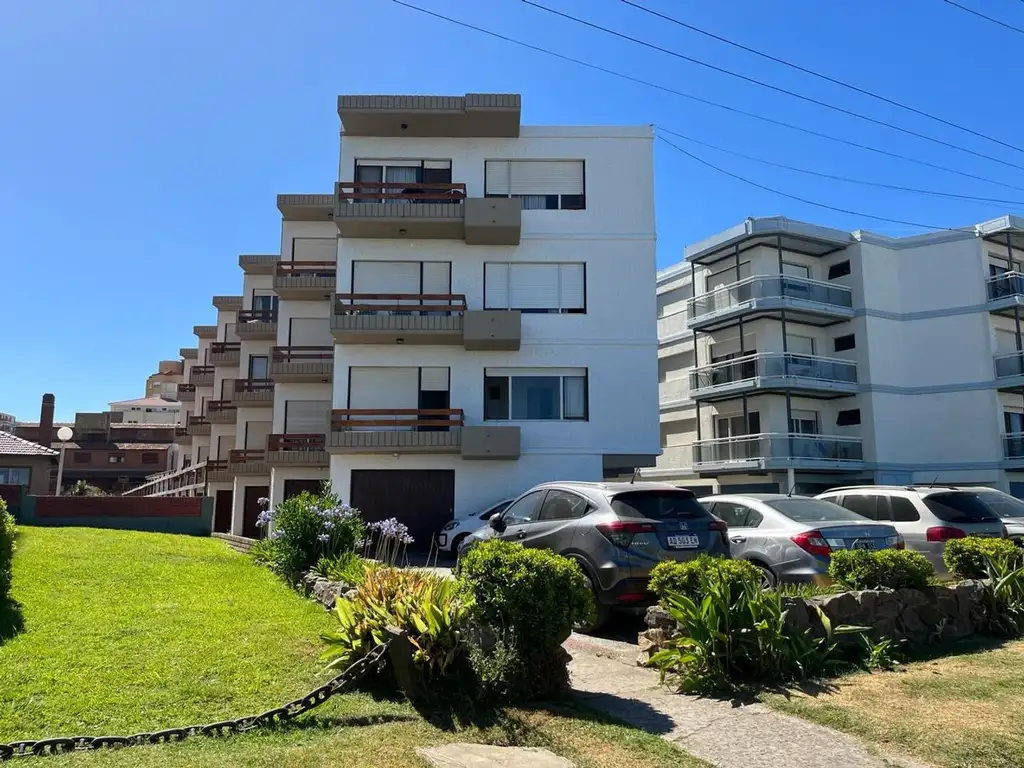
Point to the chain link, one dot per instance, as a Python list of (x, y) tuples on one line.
[(271, 717)]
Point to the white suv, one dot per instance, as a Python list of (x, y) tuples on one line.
[(926, 516)]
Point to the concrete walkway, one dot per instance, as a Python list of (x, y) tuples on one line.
[(605, 677)]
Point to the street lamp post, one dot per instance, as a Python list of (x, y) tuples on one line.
[(63, 434)]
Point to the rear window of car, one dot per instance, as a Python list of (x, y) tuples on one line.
[(659, 505), (812, 510), (1002, 504), (961, 507)]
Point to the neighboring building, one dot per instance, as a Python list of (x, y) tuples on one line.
[(796, 356), (7, 422), (26, 464), (148, 410), (164, 383)]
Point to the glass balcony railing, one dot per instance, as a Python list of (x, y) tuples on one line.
[(1005, 285), (780, 447), (1009, 365), (1013, 445), (774, 364), (770, 287)]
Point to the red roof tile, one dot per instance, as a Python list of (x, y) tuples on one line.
[(10, 445)]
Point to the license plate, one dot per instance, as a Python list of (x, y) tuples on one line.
[(863, 544), (684, 541)]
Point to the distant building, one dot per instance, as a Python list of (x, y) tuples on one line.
[(7, 422), (148, 410), (164, 383)]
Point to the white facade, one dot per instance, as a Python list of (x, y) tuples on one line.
[(874, 359), (148, 410)]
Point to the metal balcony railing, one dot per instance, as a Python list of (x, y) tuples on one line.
[(768, 287), (254, 385), (257, 316), (414, 419), (789, 365), (792, 447), (301, 354), (399, 192), (306, 269), (1011, 364), (399, 303), (1013, 445), (1005, 285), (303, 442)]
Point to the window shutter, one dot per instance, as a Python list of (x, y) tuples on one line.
[(386, 277), (496, 175), (384, 388), (310, 332), (256, 435), (496, 286), (315, 249), (437, 276), (546, 177), (307, 417), (433, 379), (533, 286), (572, 290)]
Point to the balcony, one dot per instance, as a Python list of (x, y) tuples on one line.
[(313, 365), (1013, 448), (205, 331), (198, 426), (305, 280), (225, 353), (239, 462), (201, 376), (1010, 372), (805, 301), (256, 324), (674, 328), (475, 115), (187, 393), (258, 264), (221, 412), (674, 393), (253, 393), (398, 318), (227, 303), (308, 450), (806, 375), (397, 430), (408, 210), (768, 451), (182, 436), (189, 353), (1005, 293)]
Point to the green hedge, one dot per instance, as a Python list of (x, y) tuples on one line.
[(966, 558), (688, 578), (881, 569), (6, 550)]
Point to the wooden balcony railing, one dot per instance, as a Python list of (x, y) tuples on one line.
[(201, 370), (216, 465), (301, 354), (358, 303), (181, 431), (360, 418), (380, 191), (186, 388), (244, 455), (254, 385), (257, 316), (221, 347), (306, 269), (219, 406), (306, 442), (197, 421)]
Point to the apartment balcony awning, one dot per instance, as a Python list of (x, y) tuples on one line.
[(768, 451), (227, 303), (316, 207), (811, 302), (764, 372), (302, 364), (795, 237), (189, 353), (205, 331), (472, 115), (258, 264), (305, 280)]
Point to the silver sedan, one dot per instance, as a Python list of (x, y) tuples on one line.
[(791, 538)]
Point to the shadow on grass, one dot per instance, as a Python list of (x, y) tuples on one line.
[(329, 722), (11, 620)]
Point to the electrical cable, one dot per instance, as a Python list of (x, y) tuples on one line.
[(983, 16)]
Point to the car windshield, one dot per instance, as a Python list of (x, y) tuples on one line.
[(494, 510), (1002, 504), (959, 507), (659, 505), (813, 510)]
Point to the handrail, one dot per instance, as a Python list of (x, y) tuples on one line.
[(220, 405), (201, 370), (373, 191), (341, 419), (307, 269), (296, 442), (456, 302), (712, 301), (224, 346), (254, 385), (768, 355), (197, 420), (186, 388), (290, 353), (760, 435), (242, 455), (256, 316), (1012, 274)]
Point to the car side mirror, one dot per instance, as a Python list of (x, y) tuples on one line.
[(497, 523)]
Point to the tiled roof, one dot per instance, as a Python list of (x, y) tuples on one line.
[(146, 401), (142, 446), (143, 425), (16, 446)]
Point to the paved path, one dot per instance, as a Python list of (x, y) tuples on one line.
[(605, 676)]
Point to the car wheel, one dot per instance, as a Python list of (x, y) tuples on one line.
[(601, 611), (768, 578)]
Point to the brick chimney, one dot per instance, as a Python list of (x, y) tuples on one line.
[(45, 434)]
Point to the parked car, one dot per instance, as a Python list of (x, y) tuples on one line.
[(926, 516), (791, 538), (1009, 508), (617, 532), (455, 531)]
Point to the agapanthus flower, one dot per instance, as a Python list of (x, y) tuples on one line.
[(263, 501), (264, 518), (324, 537), (276, 534), (328, 525)]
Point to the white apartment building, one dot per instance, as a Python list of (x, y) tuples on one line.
[(148, 410), (797, 356)]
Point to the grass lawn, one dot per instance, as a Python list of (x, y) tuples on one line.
[(961, 710), (127, 631)]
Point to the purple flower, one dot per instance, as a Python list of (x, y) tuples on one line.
[(328, 525), (276, 534), (263, 501), (324, 537), (264, 518)]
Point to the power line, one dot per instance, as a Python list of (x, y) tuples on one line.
[(983, 16), (970, 198), (700, 100), (763, 84), (819, 75), (805, 200)]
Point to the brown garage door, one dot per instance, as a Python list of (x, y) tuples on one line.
[(295, 487), (422, 499), (222, 512), (251, 509)]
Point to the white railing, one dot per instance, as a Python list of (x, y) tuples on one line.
[(826, 449), (770, 286), (190, 481)]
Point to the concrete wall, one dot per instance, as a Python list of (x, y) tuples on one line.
[(156, 514)]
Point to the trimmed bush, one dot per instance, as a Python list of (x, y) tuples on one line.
[(687, 578), (880, 569), (6, 550), (966, 558)]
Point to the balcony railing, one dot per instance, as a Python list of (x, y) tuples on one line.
[(780, 448), (799, 371), (789, 291), (221, 411), (201, 375), (1013, 445), (414, 419), (253, 392), (246, 455), (301, 354), (304, 442), (396, 430), (406, 318), (673, 327), (187, 393), (256, 316), (198, 421), (254, 385), (399, 192), (399, 303), (674, 391), (302, 363), (225, 352), (1005, 285), (305, 279), (1008, 365), (306, 269)]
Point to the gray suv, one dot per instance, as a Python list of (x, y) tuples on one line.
[(617, 532)]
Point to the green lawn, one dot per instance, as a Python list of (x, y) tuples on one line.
[(128, 631)]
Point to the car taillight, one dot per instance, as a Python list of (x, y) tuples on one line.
[(1006, 532), (718, 525), (895, 542), (812, 542), (621, 533), (944, 533)]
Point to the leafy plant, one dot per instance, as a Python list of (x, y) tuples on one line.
[(687, 577), (429, 607), (348, 568), (264, 552), (506, 672), (7, 533), (882, 656), (967, 558), (83, 488), (387, 542), (880, 569), (1004, 596)]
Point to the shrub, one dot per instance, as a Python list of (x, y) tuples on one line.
[(307, 527), (429, 607), (6, 550), (880, 569), (264, 552), (1004, 597), (347, 568), (685, 578), (966, 558)]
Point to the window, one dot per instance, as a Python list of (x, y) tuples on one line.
[(738, 515), (959, 507), (82, 457), (259, 366), (411, 172), (115, 458), (796, 270), (535, 395), (732, 426), (562, 505), (840, 269), (539, 184), (659, 505), (813, 510), (496, 509), (843, 343), (14, 476), (804, 422), (903, 510), (150, 457), (863, 505), (848, 418), (525, 510), (550, 288), (1014, 422), (800, 345)]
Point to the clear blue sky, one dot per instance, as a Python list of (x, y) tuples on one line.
[(142, 144)]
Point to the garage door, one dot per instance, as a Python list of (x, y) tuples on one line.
[(422, 499), (295, 487)]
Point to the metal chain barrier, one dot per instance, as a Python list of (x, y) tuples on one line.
[(271, 717)]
